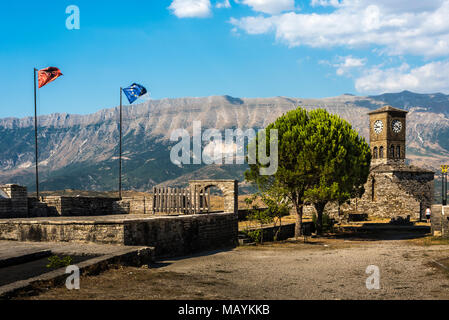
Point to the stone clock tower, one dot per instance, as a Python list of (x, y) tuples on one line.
[(387, 135), (393, 187)]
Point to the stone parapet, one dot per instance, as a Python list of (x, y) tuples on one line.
[(16, 203)]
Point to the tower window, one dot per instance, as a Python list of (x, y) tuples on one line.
[(392, 152), (381, 152), (398, 151), (373, 181), (375, 153)]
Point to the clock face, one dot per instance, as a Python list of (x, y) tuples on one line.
[(396, 125), (378, 126)]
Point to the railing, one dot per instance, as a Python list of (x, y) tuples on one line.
[(180, 200)]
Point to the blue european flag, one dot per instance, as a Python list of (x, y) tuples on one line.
[(134, 91)]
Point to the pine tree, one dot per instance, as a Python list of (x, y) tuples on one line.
[(320, 159)]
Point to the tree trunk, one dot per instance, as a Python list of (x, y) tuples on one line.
[(319, 207), (298, 225)]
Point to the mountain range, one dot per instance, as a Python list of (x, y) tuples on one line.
[(81, 151)]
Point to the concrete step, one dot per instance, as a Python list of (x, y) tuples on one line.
[(15, 258)]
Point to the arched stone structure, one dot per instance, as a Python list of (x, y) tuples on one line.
[(230, 189)]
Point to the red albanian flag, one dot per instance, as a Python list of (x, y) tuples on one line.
[(48, 75)]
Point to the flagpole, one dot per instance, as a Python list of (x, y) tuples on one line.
[(35, 134), (120, 150)]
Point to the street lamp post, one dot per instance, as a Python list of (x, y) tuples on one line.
[(444, 170)]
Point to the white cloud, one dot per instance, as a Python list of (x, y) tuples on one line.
[(224, 4), (270, 6), (254, 25), (398, 27), (325, 3), (431, 77), (347, 64), (387, 5), (191, 8)]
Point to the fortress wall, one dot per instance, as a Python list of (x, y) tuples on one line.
[(180, 235), (171, 236), (440, 221), (395, 194), (392, 197), (74, 206)]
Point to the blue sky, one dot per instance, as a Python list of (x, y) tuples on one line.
[(245, 48)]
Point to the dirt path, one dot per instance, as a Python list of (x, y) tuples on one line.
[(330, 269)]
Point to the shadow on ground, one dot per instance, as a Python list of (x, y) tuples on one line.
[(382, 232), (169, 260)]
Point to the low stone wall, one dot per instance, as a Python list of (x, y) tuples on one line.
[(137, 205), (387, 195), (180, 235), (440, 221), (171, 236), (74, 206), (62, 231), (285, 232)]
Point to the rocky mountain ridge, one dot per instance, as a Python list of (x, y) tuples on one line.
[(80, 151)]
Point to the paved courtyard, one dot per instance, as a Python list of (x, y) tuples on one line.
[(323, 269)]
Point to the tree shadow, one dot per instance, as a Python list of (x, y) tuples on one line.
[(383, 232), (165, 261)]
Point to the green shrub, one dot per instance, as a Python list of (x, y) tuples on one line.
[(254, 235), (55, 262)]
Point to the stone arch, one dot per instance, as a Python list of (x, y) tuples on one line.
[(229, 188)]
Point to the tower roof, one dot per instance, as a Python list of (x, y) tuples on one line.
[(387, 109)]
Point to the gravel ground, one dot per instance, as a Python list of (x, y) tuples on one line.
[(324, 269)]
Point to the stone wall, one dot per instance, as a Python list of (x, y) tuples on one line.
[(16, 205), (440, 221), (391, 190), (74, 206), (282, 233), (62, 231), (171, 236), (19, 205), (5, 208), (180, 235), (136, 205)]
